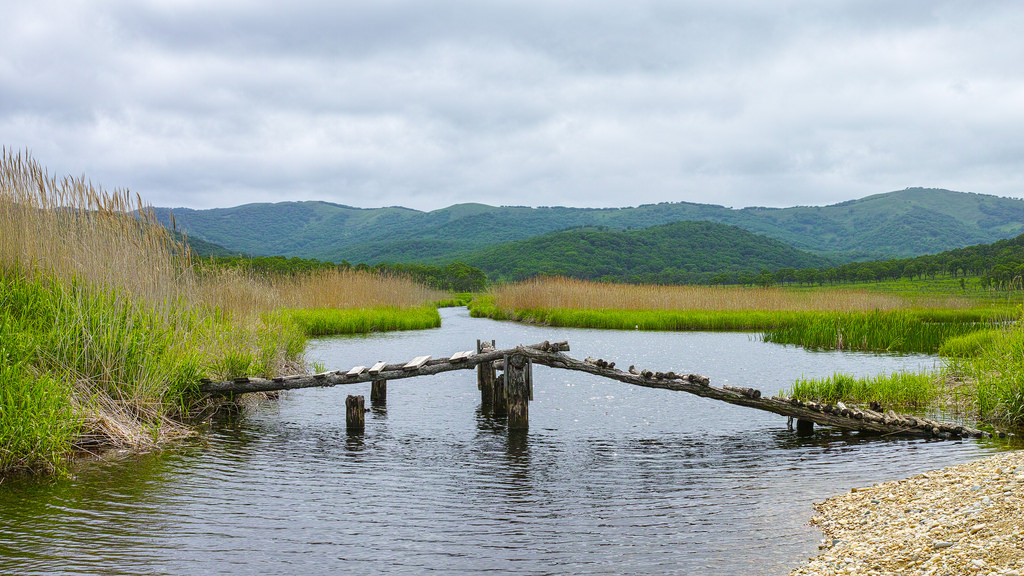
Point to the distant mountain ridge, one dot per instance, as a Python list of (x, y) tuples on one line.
[(905, 223)]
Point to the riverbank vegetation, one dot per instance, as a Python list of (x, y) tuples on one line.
[(453, 277), (979, 338), (107, 324), (832, 319)]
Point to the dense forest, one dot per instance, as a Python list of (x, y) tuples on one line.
[(678, 253)]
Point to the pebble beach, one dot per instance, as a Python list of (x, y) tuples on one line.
[(961, 520)]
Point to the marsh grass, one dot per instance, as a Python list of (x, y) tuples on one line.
[(899, 390), (994, 363), (108, 326), (37, 418), (331, 321), (892, 331)]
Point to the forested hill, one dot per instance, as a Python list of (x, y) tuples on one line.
[(897, 224), (682, 252)]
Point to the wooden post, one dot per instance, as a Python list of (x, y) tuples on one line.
[(379, 392), (355, 414), (804, 427), (486, 379), (499, 400), (517, 391)]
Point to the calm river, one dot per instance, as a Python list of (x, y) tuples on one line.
[(610, 478)]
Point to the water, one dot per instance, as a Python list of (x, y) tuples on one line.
[(610, 478)]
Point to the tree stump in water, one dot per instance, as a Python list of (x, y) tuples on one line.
[(355, 414)]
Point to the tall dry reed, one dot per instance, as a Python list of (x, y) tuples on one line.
[(571, 294), (67, 228)]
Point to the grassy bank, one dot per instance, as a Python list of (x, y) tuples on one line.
[(570, 294), (981, 378), (829, 319), (981, 343), (902, 390), (894, 331), (331, 321), (106, 325)]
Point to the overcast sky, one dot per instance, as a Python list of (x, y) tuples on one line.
[(425, 104)]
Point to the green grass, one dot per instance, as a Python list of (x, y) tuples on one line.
[(899, 390), (69, 354), (457, 299), (987, 364), (994, 363), (682, 320), (331, 321), (971, 345), (895, 331), (941, 285), (37, 420)]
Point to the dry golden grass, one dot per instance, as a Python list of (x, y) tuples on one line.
[(352, 289), (570, 294)]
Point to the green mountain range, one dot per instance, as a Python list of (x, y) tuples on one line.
[(906, 223)]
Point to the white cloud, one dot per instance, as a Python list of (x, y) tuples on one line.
[(539, 103)]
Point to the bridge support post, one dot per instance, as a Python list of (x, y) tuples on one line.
[(355, 414), (379, 392), (499, 403), (518, 391), (804, 427), (485, 377)]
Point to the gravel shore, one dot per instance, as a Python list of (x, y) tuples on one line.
[(963, 520)]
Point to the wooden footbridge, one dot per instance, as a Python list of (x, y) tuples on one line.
[(505, 380)]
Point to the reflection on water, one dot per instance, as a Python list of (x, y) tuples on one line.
[(610, 479)]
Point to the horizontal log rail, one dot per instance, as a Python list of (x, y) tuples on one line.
[(551, 355), (387, 372)]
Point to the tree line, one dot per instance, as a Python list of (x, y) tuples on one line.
[(454, 277), (998, 265)]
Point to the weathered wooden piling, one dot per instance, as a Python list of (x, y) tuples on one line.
[(355, 414), (804, 427), (379, 392), (485, 376), (499, 404), (517, 391)]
